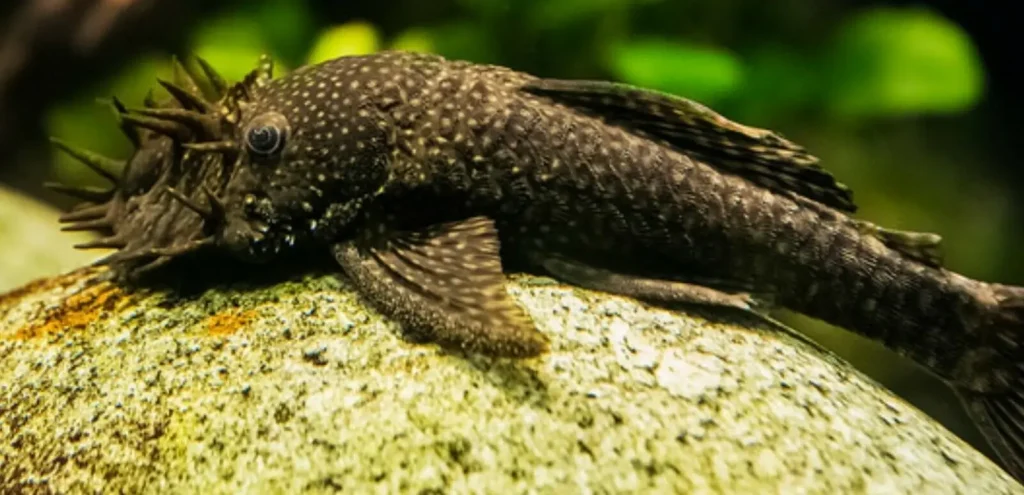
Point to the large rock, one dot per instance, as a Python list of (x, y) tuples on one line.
[(295, 386)]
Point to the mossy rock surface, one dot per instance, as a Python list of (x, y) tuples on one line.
[(296, 387)]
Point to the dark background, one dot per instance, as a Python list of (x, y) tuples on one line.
[(884, 92)]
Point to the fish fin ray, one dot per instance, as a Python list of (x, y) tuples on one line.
[(758, 155), (444, 283), (995, 399), (1000, 419)]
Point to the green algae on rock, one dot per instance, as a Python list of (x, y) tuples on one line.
[(296, 387)]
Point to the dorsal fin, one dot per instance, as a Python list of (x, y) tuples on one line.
[(760, 156)]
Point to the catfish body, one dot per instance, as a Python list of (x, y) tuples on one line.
[(429, 178)]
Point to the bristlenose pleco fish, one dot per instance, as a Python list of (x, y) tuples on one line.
[(428, 179)]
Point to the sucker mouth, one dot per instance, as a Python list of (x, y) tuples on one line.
[(249, 238)]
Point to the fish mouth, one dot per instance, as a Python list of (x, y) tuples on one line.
[(249, 240)]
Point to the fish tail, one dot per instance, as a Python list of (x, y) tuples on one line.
[(990, 379)]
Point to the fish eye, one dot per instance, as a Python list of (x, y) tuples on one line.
[(264, 140), (266, 134)]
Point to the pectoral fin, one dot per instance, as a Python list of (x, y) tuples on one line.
[(444, 283)]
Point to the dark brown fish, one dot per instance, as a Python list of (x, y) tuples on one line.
[(429, 178)]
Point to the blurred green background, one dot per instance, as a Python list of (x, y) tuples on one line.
[(891, 97)]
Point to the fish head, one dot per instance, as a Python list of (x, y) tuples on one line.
[(311, 156)]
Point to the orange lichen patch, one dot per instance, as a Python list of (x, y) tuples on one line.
[(46, 284), (230, 321), (76, 312), (29, 288)]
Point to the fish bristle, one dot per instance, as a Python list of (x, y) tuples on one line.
[(174, 130), (217, 83), (98, 224), (183, 77), (84, 193), (224, 147), (203, 125), (102, 165), (186, 98), (104, 243), (212, 214)]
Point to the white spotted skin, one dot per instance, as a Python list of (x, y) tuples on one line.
[(422, 139)]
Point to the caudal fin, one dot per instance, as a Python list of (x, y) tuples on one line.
[(999, 413)]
